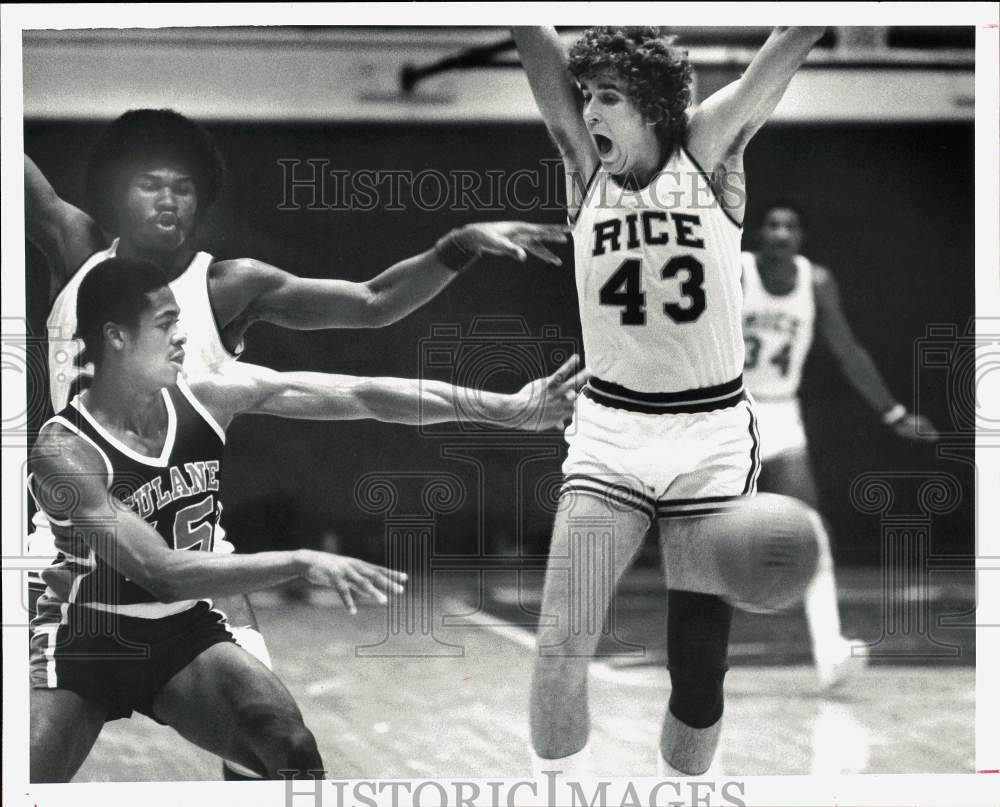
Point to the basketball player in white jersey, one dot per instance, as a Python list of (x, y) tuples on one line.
[(153, 176), (663, 431), (786, 299), (129, 476)]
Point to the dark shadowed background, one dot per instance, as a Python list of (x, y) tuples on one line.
[(889, 210)]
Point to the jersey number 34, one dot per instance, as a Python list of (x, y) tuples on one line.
[(624, 290)]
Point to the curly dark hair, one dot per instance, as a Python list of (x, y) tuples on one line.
[(657, 74), (141, 135)]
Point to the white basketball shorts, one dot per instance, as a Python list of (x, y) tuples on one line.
[(668, 455), (781, 429)]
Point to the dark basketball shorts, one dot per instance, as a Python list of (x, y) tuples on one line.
[(121, 662)]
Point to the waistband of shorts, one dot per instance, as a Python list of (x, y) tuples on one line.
[(686, 402)]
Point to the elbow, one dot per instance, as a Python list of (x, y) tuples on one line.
[(160, 581), (379, 311)]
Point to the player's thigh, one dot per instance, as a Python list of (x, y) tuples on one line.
[(64, 728), (225, 701), (594, 540), (790, 474)]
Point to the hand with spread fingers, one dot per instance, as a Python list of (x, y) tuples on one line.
[(350, 577), (548, 402), (514, 239)]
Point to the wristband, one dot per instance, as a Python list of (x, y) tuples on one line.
[(452, 254), (894, 414)]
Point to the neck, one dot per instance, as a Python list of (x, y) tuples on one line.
[(769, 260), (642, 173), (121, 405), (172, 263)]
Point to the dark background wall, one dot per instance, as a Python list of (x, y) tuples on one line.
[(889, 211)]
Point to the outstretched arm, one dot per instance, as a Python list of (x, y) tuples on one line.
[(858, 365), (245, 388), (253, 291), (63, 462), (65, 234), (556, 94), (560, 102), (728, 118)]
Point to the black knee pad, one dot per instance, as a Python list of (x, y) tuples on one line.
[(697, 655)]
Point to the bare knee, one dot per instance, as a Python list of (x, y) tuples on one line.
[(281, 743)]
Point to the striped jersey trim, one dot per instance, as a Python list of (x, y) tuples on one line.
[(144, 610), (198, 407), (52, 678), (708, 179), (616, 492), (686, 402), (755, 464), (689, 508)]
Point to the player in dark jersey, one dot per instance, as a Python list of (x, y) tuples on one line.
[(152, 177), (129, 476)]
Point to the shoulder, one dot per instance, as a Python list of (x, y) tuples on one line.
[(236, 286), (246, 274), (239, 270), (60, 450), (822, 278)]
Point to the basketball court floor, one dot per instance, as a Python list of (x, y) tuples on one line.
[(437, 686)]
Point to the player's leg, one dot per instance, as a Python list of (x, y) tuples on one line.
[(699, 617), (791, 474), (594, 540), (64, 727), (246, 631), (227, 702), (698, 628)]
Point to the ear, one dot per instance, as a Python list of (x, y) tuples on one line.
[(115, 335)]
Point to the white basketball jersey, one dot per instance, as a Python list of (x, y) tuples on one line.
[(778, 330), (68, 369), (658, 279)]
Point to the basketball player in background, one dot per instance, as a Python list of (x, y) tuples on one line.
[(153, 176), (663, 430), (129, 475), (786, 299)]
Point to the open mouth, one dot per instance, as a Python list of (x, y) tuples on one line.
[(604, 144), (167, 219)]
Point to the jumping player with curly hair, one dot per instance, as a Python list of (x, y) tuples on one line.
[(664, 431)]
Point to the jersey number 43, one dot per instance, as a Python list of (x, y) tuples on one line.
[(624, 290)]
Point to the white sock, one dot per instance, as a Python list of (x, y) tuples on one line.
[(822, 611), (575, 766), (691, 751)]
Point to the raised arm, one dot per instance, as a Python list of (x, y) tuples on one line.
[(70, 483), (857, 363), (728, 118), (245, 388), (558, 98), (250, 291), (65, 234)]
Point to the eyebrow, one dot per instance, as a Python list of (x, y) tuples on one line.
[(606, 86), (157, 175), (169, 313)]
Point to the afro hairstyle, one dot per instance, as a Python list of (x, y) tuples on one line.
[(138, 137)]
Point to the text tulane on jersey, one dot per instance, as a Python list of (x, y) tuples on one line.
[(196, 477)]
